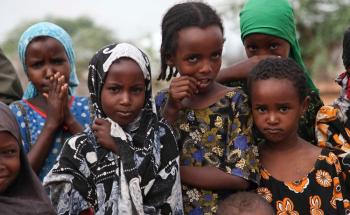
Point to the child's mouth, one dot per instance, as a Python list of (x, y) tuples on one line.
[(125, 114), (204, 83)]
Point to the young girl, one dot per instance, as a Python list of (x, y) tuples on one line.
[(333, 121), (49, 112), (268, 29), (137, 169), (296, 177), (213, 122), (20, 190)]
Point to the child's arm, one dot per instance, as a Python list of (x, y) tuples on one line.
[(211, 178), (180, 88), (39, 151), (102, 130), (240, 70)]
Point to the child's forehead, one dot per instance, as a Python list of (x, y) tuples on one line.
[(9, 137), (41, 39)]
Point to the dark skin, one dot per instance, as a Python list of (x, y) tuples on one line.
[(48, 69), (257, 47), (276, 110), (198, 60), (122, 98)]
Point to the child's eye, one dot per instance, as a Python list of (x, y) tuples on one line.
[(251, 48), (192, 59), (58, 61), (261, 109), (137, 90), (36, 65), (274, 46), (8, 152), (114, 89), (216, 55), (283, 109)]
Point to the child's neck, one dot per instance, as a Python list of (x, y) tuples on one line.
[(291, 144), (289, 162), (204, 99)]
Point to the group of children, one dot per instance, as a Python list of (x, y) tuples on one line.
[(194, 148)]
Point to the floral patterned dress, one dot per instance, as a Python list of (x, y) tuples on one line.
[(323, 191), (217, 136), (32, 120)]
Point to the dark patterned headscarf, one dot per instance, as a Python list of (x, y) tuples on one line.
[(98, 68), (146, 173), (26, 195)]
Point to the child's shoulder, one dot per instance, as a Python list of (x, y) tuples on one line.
[(237, 92), (19, 108), (161, 97), (81, 100)]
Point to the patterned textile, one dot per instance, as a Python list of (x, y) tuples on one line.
[(218, 136), (50, 30), (32, 120), (332, 121), (323, 191), (276, 18), (144, 179)]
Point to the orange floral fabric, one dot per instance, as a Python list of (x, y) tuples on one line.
[(322, 191)]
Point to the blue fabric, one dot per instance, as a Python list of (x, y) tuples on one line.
[(31, 124), (58, 33)]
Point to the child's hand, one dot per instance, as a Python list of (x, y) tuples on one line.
[(179, 89), (57, 92), (69, 121), (102, 130)]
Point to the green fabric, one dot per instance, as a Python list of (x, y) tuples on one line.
[(276, 18)]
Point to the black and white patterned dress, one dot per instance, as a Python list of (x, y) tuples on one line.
[(144, 179)]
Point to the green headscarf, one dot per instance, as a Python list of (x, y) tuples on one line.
[(276, 18)]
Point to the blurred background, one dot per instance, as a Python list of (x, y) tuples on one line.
[(93, 24)]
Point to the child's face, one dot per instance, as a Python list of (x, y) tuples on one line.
[(264, 44), (9, 160), (198, 54), (123, 94), (276, 109), (44, 58)]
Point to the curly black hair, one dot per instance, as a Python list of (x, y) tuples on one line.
[(178, 17), (346, 49), (244, 202), (280, 68)]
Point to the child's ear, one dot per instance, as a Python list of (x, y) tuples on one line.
[(305, 104)]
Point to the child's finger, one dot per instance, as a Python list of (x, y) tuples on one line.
[(63, 91), (189, 81), (46, 96)]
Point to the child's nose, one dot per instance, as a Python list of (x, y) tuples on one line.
[(263, 52), (125, 99), (272, 118), (206, 68), (49, 72)]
